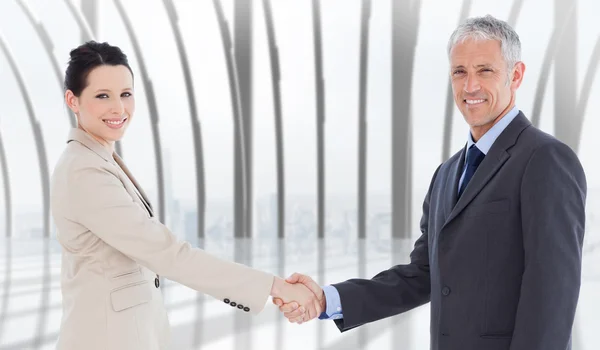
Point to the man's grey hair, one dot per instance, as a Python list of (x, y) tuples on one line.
[(489, 28)]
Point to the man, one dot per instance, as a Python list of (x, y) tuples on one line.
[(500, 253)]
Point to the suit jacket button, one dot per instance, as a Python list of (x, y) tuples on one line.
[(446, 291), (240, 306), (226, 301), (246, 309), (233, 303), (156, 282)]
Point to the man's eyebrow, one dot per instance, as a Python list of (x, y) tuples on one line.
[(485, 65)]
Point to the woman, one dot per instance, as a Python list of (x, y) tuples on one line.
[(114, 248)]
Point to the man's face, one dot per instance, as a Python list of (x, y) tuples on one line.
[(484, 88)]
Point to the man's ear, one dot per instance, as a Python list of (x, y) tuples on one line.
[(517, 75)]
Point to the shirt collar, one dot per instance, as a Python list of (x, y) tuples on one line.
[(487, 140)]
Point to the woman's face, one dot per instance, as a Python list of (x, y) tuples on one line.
[(106, 104)]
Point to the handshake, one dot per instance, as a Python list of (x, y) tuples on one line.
[(299, 297)]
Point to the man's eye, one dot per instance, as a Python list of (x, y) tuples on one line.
[(458, 72)]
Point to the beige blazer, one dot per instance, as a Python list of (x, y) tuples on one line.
[(112, 250)]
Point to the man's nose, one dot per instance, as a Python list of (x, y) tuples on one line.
[(471, 84)]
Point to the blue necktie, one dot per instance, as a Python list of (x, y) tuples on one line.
[(474, 158)]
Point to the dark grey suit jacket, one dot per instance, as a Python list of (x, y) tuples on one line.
[(502, 264)]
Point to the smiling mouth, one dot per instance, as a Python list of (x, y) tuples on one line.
[(474, 102), (114, 123)]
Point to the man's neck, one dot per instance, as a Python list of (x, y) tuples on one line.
[(478, 131)]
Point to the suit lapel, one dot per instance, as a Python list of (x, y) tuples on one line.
[(88, 141), (451, 195), (138, 190), (491, 164)]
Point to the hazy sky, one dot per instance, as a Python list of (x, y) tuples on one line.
[(293, 26)]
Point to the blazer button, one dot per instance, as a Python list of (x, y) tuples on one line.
[(156, 282), (240, 306), (446, 291), (233, 303), (226, 301), (246, 309)]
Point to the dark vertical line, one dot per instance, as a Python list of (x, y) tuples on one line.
[(405, 22), (238, 121), (242, 54), (89, 9), (362, 119), (152, 109), (49, 48), (555, 40), (37, 135), (243, 61), (586, 87), (196, 125), (276, 86), (280, 327), (565, 75), (449, 114), (7, 284), (321, 260), (361, 249), (199, 317), (514, 13), (320, 96), (242, 323), (86, 31), (6, 183)]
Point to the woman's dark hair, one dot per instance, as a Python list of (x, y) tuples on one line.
[(87, 57)]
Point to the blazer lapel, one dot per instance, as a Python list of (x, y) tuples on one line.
[(88, 141), (451, 186), (493, 161), (138, 190)]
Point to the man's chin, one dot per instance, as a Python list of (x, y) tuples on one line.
[(476, 119)]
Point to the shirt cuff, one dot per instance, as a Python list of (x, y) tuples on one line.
[(334, 305)]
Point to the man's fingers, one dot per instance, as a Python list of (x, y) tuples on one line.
[(305, 280), (294, 278), (277, 301)]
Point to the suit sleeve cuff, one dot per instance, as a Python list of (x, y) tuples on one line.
[(334, 305)]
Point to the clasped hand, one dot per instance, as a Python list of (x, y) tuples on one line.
[(299, 297)]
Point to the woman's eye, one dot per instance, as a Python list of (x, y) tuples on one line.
[(126, 94), (102, 96)]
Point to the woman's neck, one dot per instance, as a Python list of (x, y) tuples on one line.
[(109, 145)]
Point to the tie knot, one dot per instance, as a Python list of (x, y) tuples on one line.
[(474, 156)]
